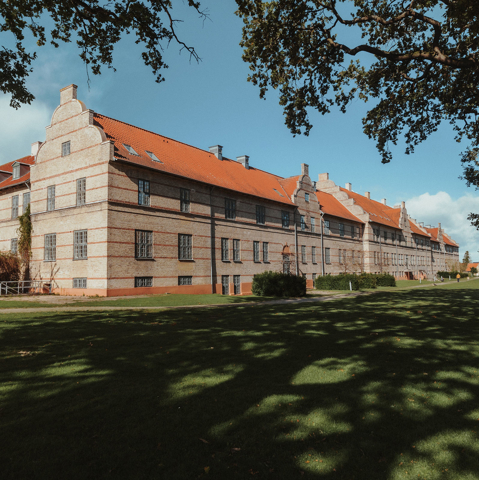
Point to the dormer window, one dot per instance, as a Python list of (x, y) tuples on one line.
[(130, 149), (66, 148), (16, 171), (153, 156)]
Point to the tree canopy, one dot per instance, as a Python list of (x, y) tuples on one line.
[(96, 26), (417, 59)]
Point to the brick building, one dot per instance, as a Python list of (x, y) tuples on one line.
[(119, 210)]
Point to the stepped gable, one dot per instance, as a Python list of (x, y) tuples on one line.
[(418, 230), (8, 167), (177, 158), (376, 210), (333, 207)]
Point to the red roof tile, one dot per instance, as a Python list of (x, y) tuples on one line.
[(331, 206), (190, 162), (7, 167), (470, 265)]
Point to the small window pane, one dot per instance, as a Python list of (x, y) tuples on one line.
[(256, 251), (225, 250), (50, 247), (185, 280), (260, 215), (285, 219), (15, 206), (80, 245), (184, 200), (144, 192), (185, 250), (143, 244), (65, 149), (79, 282), (327, 255), (81, 191), (51, 198), (143, 282), (265, 252), (230, 209)]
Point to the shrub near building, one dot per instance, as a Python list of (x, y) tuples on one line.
[(276, 284), (354, 282)]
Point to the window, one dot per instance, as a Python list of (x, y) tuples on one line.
[(230, 209), (353, 231), (143, 244), (375, 258), (352, 257), (326, 227), (143, 282), (51, 198), (80, 244), (153, 156), (184, 200), (327, 255), (224, 250), (130, 150), (256, 251), (15, 206), (65, 148), (185, 250), (306, 197), (26, 201), (225, 284), (260, 215), (50, 250), (185, 280), (16, 172), (340, 256), (286, 264), (236, 250), (14, 245), (79, 282), (314, 276), (285, 219), (303, 223), (144, 192), (385, 234), (81, 191), (313, 254), (341, 229), (313, 224), (303, 253), (265, 252), (237, 284)]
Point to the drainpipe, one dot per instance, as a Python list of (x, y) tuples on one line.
[(417, 266), (380, 252), (296, 243), (397, 258), (212, 244), (322, 245)]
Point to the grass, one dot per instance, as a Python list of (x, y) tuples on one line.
[(374, 387)]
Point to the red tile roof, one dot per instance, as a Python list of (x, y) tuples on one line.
[(434, 233), (415, 229), (190, 162), (378, 213), (331, 206), (7, 167), (470, 265), (448, 240)]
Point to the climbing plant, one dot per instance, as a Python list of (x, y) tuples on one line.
[(25, 237)]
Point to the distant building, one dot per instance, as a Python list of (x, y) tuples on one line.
[(119, 210)]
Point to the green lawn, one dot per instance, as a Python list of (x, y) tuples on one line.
[(383, 387)]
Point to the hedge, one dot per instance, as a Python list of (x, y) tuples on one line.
[(453, 274), (277, 284), (365, 280)]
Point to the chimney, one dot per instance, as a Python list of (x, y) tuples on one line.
[(403, 204), (68, 93), (244, 160), (421, 224), (323, 177), (383, 201), (217, 151), (439, 226), (314, 185), (368, 195), (304, 169), (349, 187), (35, 147)]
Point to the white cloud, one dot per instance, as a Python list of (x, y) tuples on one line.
[(452, 214), (20, 128)]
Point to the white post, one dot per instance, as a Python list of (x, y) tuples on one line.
[(350, 286)]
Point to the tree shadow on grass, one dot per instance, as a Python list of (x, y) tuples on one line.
[(359, 388)]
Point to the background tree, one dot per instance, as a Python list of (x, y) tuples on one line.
[(473, 270), (418, 59), (465, 261), (95, 25)]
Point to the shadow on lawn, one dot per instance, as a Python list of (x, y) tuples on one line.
[(344, 389)]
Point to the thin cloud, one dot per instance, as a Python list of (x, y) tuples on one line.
[(452, 214)]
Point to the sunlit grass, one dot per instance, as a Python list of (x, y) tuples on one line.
[(374, 387)]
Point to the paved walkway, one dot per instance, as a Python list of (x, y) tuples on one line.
[(322, 296)]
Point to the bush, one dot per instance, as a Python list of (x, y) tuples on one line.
[(337, 282), (276, 284), (385, 280), (367, 280), (453, 274), (9, 267)]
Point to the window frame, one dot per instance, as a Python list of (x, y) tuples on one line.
[(80, 244), (265, 252), (313, 225), (14, 246), (14, 207), (140, 281), (236, 250), (341, 229), (303, 253), (185, 248), (16, 171), (143, 192), (230, 209), (313, 254), (143, 249), (185, 280), (66, 148), (51, 198), (285, 219), (260, 215), (79, 282), (81, 191), (256, 251), (225, 250), (327, 227), (237, 284), (50, 247), (26, 195), (303, 223), (327, 256), (185, 200)]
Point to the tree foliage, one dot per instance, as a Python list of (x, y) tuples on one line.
[(95, 25), (417, 59)]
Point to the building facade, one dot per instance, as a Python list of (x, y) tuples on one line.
[(119, 210)]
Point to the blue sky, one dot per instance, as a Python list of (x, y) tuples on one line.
[(211, 102)]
